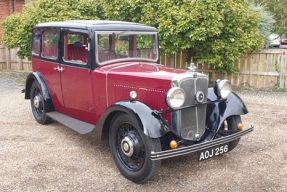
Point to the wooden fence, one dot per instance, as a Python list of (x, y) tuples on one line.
[(10, 60), (264, 69)]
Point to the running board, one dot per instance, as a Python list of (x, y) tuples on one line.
[(75, 124)]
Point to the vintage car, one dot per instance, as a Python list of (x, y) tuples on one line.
[(97, 76)]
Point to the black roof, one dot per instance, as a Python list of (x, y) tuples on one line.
[(99, 25)]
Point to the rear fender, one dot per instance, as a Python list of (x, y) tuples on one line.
[(36, 76), (216, 113)]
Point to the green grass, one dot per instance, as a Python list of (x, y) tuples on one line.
[(278, 89), (250, 88), (21, 80), (19, 77), (2, 73)]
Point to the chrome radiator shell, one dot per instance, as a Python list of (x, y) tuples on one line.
[(190, 123)]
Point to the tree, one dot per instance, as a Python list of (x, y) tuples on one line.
[(267, 22), (17, 27), (278, 8), (212, 31)]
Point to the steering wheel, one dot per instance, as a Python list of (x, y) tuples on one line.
[(105, 55)]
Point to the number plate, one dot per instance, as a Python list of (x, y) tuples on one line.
[(212, 152)]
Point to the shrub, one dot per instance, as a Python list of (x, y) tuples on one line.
[(267, 22), (17, 27), (213, 31)]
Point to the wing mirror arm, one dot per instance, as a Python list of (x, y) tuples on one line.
[(78, 44)]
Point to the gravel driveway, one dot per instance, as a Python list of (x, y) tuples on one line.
[(36, 157)]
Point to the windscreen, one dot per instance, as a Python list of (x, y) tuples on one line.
[(113, 46)]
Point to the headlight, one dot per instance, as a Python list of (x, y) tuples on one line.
[(223, 88), (175, 97)]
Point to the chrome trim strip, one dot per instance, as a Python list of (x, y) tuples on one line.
[(52, 58), (125, 59), (204, 103), (74, 62), (196, 114), (198, 147), (67, 65)]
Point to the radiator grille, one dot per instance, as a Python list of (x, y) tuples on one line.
[(192, 120)]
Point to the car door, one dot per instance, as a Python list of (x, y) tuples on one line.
[(45, 59), (76, 78)]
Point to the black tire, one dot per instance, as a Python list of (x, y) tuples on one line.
[(138, 166), (231, 124), (39, 112)]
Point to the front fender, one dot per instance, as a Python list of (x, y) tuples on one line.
[(150, 125), (216, 113), (36, 76)]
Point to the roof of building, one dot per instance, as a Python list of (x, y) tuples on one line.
[(99, 25)]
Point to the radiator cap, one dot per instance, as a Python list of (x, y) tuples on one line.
[(192, 67)]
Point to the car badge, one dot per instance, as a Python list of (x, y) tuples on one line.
[(199, 96)]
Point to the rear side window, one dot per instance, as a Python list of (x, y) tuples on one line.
[(50, 40), (36, 44)]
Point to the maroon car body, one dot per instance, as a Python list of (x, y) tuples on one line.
[(96, 76)]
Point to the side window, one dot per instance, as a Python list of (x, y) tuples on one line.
[(76, 48), (36, 44), (50, 40)]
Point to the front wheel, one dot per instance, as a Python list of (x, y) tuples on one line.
[(231, 124), (131, 149), (37, 104)]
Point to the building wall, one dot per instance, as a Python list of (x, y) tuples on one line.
[(6, 9)]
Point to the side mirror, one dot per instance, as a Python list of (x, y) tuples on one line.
[(78, 44)]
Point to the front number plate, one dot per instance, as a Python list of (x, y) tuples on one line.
[(212, 152)]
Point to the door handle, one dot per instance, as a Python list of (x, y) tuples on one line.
[(59, 69)]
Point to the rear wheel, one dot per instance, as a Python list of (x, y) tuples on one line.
[(37, 104), (231, 124), (131, 149)]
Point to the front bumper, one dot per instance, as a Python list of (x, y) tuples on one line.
[(198, 147)]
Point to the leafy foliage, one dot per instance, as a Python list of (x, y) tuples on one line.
[(17, 27), (278, 8), (267, 22), (213, 31)]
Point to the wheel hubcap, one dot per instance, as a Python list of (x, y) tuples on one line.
[(127, 146), (36, 101)]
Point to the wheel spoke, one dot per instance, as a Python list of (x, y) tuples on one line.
[(136, 161)]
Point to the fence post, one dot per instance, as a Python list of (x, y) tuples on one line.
[(20, 62), (172, 61), (283, 67), (8, 58)]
